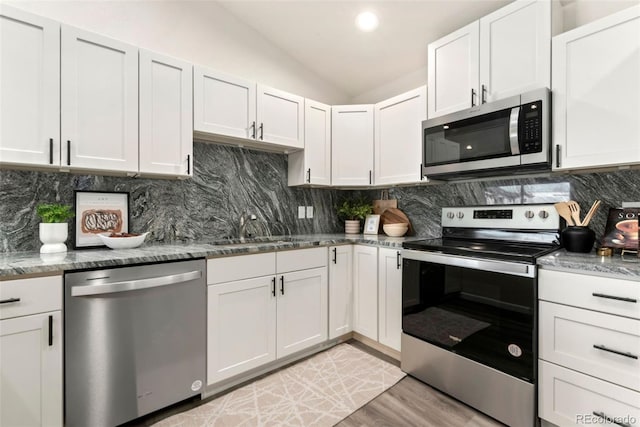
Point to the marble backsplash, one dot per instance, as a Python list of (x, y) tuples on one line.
[(229, 181), (423, 204)]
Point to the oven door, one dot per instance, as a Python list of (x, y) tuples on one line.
[(483, 310)]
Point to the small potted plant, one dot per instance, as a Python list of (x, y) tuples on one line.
[(54, 229), (352, 211)]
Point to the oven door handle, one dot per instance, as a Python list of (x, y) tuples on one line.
[(505, 267)]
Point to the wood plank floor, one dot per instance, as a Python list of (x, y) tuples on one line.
[(413, 403), (408, 403)]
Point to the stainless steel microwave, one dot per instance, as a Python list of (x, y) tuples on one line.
[(502, 137)]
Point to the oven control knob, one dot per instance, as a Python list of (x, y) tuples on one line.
[(529, 214), (543, 214), (451, 215), (460, 215)]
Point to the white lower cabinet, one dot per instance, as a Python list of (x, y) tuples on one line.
[(31, 353), (340, 290), (569, 398), (241, 319), (255, 320), (365, 291), (389, 297), (589, 369), (302, 310)]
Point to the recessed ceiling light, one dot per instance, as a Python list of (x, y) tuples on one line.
[(367, 21)]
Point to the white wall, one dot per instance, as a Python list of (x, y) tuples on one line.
[(575, 13), (197, 31)]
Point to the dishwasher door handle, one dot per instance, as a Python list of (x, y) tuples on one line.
[(134, 285)]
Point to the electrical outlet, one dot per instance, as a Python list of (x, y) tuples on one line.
[(309, 211), (301, 212)]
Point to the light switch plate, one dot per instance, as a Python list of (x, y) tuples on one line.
[(309, 211), (301, 212)]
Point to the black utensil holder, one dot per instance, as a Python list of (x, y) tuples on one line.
[(578, 239)]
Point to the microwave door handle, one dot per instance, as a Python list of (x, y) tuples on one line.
[(513, 131)]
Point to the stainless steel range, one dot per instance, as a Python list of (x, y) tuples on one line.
[(469, 307)]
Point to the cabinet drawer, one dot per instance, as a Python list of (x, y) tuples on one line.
[(602, 345), (229, 269), (615, 296), (568, 398), (301, 259), (34, 295)]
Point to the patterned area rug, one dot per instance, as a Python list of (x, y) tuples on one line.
[(319, 391)]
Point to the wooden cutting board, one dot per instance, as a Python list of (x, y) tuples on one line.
[(379, 206), (395, 216)]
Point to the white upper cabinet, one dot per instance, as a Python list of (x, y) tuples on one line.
[(352, 145), (398, 137), (313, 164), (280, 117), (30, 86), (166, 125), (99, 100), (229, 106), (515, 49), (452, 71), (505, 53), (596, 93), (223, 104)]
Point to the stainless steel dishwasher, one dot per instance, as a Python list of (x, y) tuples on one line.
[(135, 340)]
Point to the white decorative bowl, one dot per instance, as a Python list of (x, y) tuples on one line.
[(395, 230), (123, 242)]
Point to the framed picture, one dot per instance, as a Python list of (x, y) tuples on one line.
[(96, 213), (371, 224)]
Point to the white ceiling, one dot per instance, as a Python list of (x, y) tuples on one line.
[(321, 34)]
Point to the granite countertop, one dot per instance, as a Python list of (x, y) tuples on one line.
[(20, 263), (616, 266)]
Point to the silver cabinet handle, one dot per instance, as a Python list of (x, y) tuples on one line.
[(610, 419), (618, 352), (309, 175), (253, 130), (614, 297), (261, 131), (134, 285), (9, 300), (483, 97), (473, 97)]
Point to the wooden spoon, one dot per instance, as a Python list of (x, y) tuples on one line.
[(564, 212), (574, 207), (591, 213)]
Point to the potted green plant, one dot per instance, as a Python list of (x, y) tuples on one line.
[(54, 229), (352, 211)]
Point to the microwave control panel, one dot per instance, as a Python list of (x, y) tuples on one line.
[(530, 132)]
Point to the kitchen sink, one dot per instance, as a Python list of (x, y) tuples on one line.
[(231, 241)]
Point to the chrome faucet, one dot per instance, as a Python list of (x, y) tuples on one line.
[(244, 219)]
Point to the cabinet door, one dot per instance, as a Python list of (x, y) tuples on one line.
[(596, 93), (389, 297), (302, 310), (515, 49), (166, 119), (280, 117), (398, 137), (30, 82), (365, 291), (31, 370), (99, 116), (313, 164), (453, 71), (352, 145), (241, 327), (223, 104), (340, 290)]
